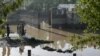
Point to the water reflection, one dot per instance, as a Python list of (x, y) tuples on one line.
[(4, 52), (25, 41), (39, 51), (21, 49), (81, 46)]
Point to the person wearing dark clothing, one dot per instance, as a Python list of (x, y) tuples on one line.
[(8, 30)]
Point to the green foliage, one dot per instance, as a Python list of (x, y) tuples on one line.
[(2, 31), (1, 21), (80, 42), (6, 8), (89, 11)]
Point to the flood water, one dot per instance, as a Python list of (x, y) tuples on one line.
[(60, 47), (44, 22), (39, 51)]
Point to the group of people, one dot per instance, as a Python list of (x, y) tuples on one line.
[(20, 29)]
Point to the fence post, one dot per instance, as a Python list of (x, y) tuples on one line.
[(29, 52), (74, 54)]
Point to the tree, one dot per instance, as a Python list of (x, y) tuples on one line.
[(89, 12), (5, 8)]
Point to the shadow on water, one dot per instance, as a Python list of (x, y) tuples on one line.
[(57, 50), (35, 42), (25, 41)]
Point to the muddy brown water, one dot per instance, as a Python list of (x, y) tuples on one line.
[(61, 41)]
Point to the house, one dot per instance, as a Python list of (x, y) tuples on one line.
[(71, 16), (65, 16)]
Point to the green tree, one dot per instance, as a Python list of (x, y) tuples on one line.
[(5, 8), (89, 12)]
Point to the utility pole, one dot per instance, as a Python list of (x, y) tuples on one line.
[(38, 19), (50, 27), (8, 30), (51, 18), (29, 52)]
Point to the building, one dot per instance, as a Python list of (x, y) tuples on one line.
[(60, 17)]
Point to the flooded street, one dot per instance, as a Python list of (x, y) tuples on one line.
[(49, 28), (61, 46), (38, 51)]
